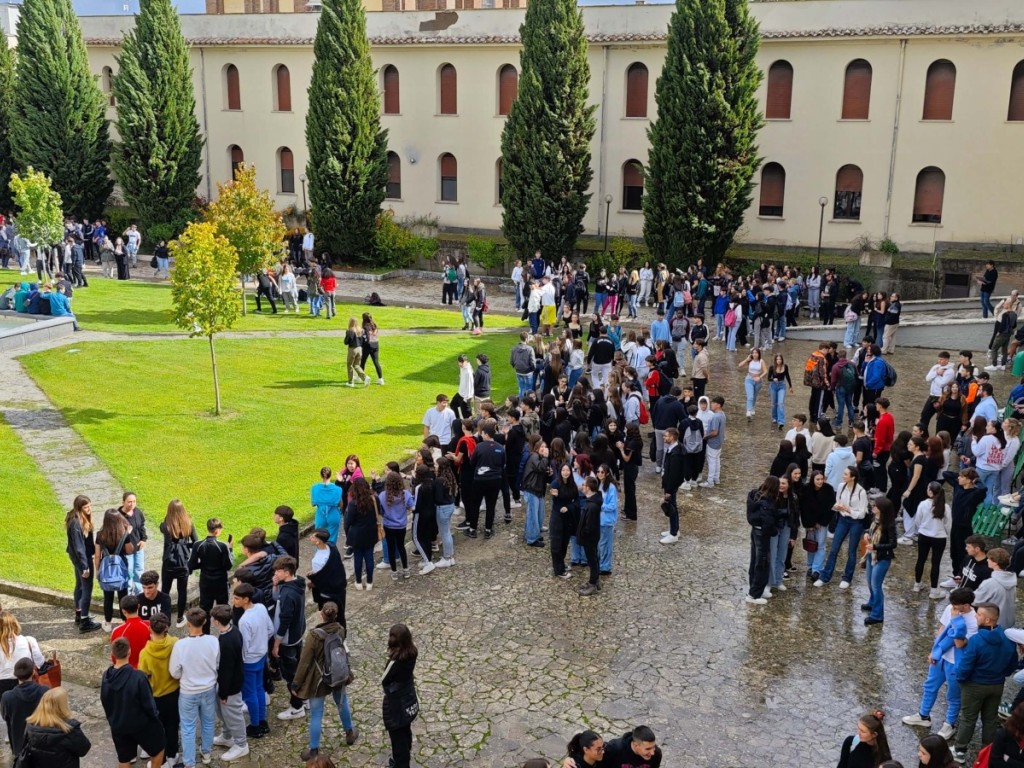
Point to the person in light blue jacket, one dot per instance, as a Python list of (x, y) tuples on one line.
[(609, 515), (325, 496)]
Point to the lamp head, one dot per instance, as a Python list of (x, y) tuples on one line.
[(608, 199), (822, 201)]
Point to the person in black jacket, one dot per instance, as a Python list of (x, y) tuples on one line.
[(636, 749), (290, 626), (815, 514), (761, 517), (130, 709), (360, 524), (1007, 751), (565, 517), (672, 476), (589, 533), (515, 444), (287, 530), (229, 683), (488, 468), (968, 495), (81, 545), (399, 711), (630, 454), (20, 702), (328, 582), (667, 412), (53, 738), (213, 559), (881, 549)]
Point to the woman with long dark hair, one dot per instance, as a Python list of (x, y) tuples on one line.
[(989, 453), (371, 345), (950, 411), (81, 546), (586, 749), (934, 752), (932, 524), (822, 443), (779, 382), (762, 519), (816, 513), (424, 516), (1007, 751), (401, 705), (881, 546), (395, 502), (361, 529), (113, 539), (446, 489), (565, 517), (869, 748)]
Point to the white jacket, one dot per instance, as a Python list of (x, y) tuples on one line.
[(926, 524), (856, 500)]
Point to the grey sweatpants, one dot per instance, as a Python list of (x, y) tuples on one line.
[(233, 717)]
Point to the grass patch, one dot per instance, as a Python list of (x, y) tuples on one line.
[(138, 307), (32, 551), (288, 415)]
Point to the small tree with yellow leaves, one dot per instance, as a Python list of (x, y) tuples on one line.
[(203, 288)]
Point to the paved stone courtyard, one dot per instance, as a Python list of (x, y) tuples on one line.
[(513, 661)]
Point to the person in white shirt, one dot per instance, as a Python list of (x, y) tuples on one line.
[(256, 629), (547, 305), (852, 506), (932, 523), (289, 289), (194, 661), (646, 282), (517, 281), (799, 428), (466, 390), (940, 376), (308, 243), (437, 421)]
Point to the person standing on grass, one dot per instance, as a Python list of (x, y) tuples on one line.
[(179, 540), (354, 344), (371, 346), (81, 548), (131, 711), (256, 629), (154, 663)]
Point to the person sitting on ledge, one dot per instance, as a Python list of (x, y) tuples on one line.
[(60, 305)]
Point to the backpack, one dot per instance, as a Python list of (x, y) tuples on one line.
[(848, 378), (178, 557), (730, 318), (113, 571), (451, 275), (889, 374), (334, 668), (809, 368), (645, 417), (693, 441)]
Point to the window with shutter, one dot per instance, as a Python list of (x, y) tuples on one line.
[(857, 90), (392, 104), (939, 88), (632, 186), (1016, 111), (448, 81), (232, 91), (636, 90), (237, 158), (780, 91), (849, 184), (283, 88), (928, 193), (449, 178), (508, 88), (286, 169), (394, 189), (773, 190)]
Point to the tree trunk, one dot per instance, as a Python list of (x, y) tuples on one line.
[(216, 380), (242, 278)]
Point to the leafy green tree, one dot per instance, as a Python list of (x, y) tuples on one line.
[(204, 294), (703, 144), (40, 211), (7, 59), (59, 123), (348, 165), (244, 215), (545, 146), (158, 157)]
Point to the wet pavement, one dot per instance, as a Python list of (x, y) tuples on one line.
[(513, 661)]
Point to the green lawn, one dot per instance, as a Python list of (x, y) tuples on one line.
[(139, 307), (33, 550), (145, 410)]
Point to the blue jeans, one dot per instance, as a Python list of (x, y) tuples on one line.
[(136, 565), (599, 302), (939, 673), (753, 390), (777, 390), (467, 314), (605, 546), (576, 554), (252, 692), (778, 548), (534, 516), (519, 296), (730, 344), (876, 575), (990, 479), (361, 558), (525, 382), (316, 715), (846, 527), (201, 706), (719, 326), (162, 265), (780, 327), (844, 398), (850, 339), (444, 530), (574, 376), (816, 560), (986, 304), (634, 305), (316, 303)]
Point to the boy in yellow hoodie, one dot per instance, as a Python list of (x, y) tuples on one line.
[(154, 661)]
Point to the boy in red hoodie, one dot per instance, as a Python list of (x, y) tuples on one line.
[(885, 432), (134, 629)]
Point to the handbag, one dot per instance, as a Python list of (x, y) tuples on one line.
[(25, 759), (48, 674), (810, 544), (403, 704), (377, 516), (984, 757)]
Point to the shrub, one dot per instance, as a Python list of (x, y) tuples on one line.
[(889, 247), (488, 253), (397, 247)]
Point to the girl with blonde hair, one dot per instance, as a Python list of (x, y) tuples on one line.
[(15, 646), (179, 538), (52, 737), (354, 342)]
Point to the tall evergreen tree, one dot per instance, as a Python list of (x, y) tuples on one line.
[(157, 160), (545, 146), (703, 150), (59, 125), (6, 89), (348, 163)]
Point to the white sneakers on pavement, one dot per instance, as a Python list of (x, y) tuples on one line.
[(291, 714), (669, 539), (235, 753), (756, 600), (844, 585), (427, 568)]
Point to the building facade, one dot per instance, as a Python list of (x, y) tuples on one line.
[(884, 118)]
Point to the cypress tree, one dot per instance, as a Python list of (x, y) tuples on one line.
[(545, 145), (158, 157), (348, 165), (6, 88), (59, 125), (703, 150)]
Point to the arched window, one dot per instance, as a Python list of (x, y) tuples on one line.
[(780, 91), (857, 90), (282, 89), (394, 189), (1016, 111), (928, 193), (286, 170), (448, 87), (636, 90), (449, 177), (939, 87), (500, 183), (849, 185), (233, 98), (773, 190), (632, 186), (237, 157), (508, 88), (107, 84), (391, 92)]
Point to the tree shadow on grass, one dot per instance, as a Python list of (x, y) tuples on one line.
[(126, 319), (445, 373), (306, 384), (87, 415), (398, 430)]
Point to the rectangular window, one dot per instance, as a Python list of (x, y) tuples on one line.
[(449, 188)]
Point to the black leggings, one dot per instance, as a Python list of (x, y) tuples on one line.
[(926, 544), (374, 354), (108, 603), (182, 583), (395, 538)]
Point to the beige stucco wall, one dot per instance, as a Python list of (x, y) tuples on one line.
[(978, 150)]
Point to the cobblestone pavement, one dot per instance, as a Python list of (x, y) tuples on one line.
[(513, 661)]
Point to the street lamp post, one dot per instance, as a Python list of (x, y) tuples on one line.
[(607, 214), (305, 215), (822, 201)]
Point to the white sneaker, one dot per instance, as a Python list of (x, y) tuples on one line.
[(685, 486), (427, 569), (947, 731), (936, 593), (220, 740), (707, 484), (206, 758), (381, 382), (991, 367), (917, 720), (756, 600), (819, 583), (918, 586), (515, 504), (663, 534), (369, 586), (235, 753), (905, 540), (181, 623), (382, 566), (359, 585), (767, 593), (106, 627), (444, 562), (780, 587), (844, 585), (948, 584), (670, 539)]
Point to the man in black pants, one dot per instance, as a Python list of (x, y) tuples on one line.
[(290, 591), (213, 559), (589, 533), (671, 478), (488, 469), (265, 288)]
